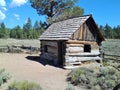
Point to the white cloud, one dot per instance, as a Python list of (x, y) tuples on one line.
[(2, 15), (4, 8), (2, 3), (17, 16), (18, 3)]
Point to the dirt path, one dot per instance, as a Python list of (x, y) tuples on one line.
[(21, 68)]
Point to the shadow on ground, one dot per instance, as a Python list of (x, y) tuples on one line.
[(42, 61)]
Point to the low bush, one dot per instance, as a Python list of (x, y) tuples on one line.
[(83, 76), (4, 76), (118, 66), (24, 85), (70, 87), (15, 50), (106, 79), (96, 87), (106, 63)]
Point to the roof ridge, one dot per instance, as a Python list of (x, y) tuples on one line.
[(72, 17)]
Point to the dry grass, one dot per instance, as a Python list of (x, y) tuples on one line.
[(111, 46), (26, 42)]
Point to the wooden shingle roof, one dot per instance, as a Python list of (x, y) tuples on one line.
[(63, 30)]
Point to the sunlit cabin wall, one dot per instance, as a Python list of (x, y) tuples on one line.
[(83, 46), (75, 52)]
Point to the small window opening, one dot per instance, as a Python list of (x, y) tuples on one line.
[(87, 48), (45, 48)]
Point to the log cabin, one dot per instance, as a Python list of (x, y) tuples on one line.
[(72, 41)]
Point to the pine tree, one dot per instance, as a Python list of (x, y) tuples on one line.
[(4, 33), (107, 31), (27, 29), (36, 25)]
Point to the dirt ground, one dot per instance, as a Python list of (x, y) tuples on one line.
[(28, 67)]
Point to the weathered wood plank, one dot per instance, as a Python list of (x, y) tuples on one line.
[(80, 42), (84, 32), (74, 45), (94, 47), (96, 51), (83, 54), (77, 59), (49, 43), (71, 51), (81, 31), (73, 63), (74, 49), (50, 38)]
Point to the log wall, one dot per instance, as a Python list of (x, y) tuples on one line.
[(52, 50), (69, 52), (52, 46), (75, 52)]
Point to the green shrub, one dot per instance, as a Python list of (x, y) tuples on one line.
[(83, 79), (18, 51), (96, 87), (15, 50), (74, 77), (105, 79), (118, 66), (4, 76), (80, 75), (118, 78), (103, 71), (101, 80), (105, 63), (24, 85), (112, 71), (1, 81), (70, 87), (110, 84)]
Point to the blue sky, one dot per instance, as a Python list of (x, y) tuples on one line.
[(16, 12)]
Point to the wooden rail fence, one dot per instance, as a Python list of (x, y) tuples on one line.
[(115, 58), (18, 49), (112, 57)]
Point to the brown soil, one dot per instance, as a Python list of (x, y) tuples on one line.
[(31, 68)]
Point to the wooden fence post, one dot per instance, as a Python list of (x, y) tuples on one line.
[(30, 49)]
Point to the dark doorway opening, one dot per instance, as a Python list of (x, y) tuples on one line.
[(87, 48), (60, 53), (45, 48)]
